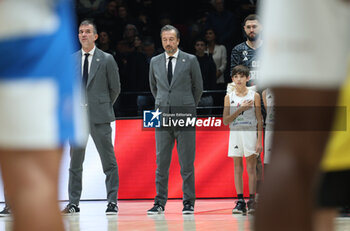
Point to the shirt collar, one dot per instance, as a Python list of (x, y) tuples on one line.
[(174, 55), (90, 52), (259, 45)]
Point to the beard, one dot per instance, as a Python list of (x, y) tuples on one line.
[(170, 50), (252, 38)]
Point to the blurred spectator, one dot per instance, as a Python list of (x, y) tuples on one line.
[(138, 44), (144, 24), (137, 70), (145, 101), (165, 19), (123, 50), (248, 6), (107, 20), (129, 34), (198, 26), (243, 8), (121, 105), (133, 69), (218, 52), (145, 5), (123, 19), (149, 49), (105, 44), (90, 8), (147, 15), (208, 70), (223, 22)]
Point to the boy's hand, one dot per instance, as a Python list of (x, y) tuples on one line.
[(258, 147), (247, 104)]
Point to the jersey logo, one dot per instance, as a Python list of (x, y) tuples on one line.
[(232, 102), (236, 147), (245, 53)]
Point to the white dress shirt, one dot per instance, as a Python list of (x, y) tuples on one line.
[(173, 61), (89, 58)]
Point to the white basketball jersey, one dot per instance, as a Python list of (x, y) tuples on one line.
[(246, 118)]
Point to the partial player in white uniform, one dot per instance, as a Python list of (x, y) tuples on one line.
[(39, 106), (304, 62), (269, 121), (242, 112)]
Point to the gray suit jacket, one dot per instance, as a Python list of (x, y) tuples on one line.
[(185, 90), (103, 86)]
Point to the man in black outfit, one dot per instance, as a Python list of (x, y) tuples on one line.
[(208, 70)]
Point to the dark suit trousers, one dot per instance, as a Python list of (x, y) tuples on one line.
[(186, 142), (102, 137)]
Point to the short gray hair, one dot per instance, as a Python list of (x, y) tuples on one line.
[(169, 28), (87, 22)]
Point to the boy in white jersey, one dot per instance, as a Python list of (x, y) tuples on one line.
[(243, 113), (269, 121)]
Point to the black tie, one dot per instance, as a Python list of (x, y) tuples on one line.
[(170, 69), (86, 69)]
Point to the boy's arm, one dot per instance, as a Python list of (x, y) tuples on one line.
[(226, 117), (259, 118)]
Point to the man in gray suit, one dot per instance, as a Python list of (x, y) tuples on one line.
[(176, 84), (102, 85)]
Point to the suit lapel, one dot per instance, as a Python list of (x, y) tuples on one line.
[(95, 63), (178, 67), (162, 67)]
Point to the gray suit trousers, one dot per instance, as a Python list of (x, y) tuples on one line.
[(186, 142), (102, 137)]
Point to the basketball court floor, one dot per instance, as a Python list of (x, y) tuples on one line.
[(210, 214)]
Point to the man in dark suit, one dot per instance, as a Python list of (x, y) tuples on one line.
[(102, 87), (176, 84)]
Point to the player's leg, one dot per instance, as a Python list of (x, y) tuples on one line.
[(238, 173), (249, 140), (259, 171), (31, 181), (240, 207), (251, 162), (251, 170), (298, 144)]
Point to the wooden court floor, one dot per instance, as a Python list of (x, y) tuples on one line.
[(210, 214)]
